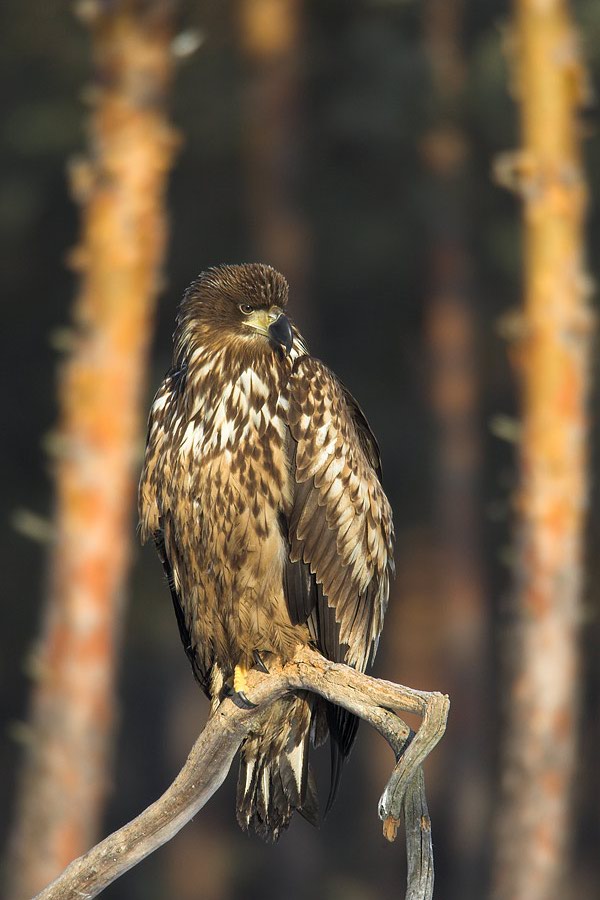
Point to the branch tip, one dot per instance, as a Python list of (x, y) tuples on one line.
[(390, 828)]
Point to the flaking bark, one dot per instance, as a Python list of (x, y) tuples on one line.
[(121, 189)]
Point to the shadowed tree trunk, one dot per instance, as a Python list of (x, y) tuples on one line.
[(271, 34), (551, 349), (121, 189), (270, 37), (437, 617), (451, 333)]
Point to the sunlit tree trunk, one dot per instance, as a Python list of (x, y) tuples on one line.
[(552, 350), (121, 189)]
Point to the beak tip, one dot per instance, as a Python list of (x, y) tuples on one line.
[(281, 333)]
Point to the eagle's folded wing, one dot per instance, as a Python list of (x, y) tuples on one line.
[(151, 484), (154, 512), (339, 532), (341, 521)]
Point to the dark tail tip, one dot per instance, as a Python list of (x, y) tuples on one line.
[(342, 733), (270, 790)]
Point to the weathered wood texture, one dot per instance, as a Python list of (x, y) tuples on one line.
[(121, 190), (213, 753), (551, 349)]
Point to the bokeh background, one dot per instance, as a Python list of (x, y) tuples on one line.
[(403, 256)]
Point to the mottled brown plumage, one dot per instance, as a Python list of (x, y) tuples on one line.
[(261, 489)]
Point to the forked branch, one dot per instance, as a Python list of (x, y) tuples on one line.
[(375, 701)]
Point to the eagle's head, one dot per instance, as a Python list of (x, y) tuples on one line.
[(246, 302)]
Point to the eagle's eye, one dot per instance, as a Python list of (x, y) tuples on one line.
[(246, 308)]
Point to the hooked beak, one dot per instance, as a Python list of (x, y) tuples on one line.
[(273, 324), (280, 332)]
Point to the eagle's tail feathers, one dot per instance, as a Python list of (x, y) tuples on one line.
[(274, 777), (310, 805)]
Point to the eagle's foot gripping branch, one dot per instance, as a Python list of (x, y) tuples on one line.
[(236, 691)]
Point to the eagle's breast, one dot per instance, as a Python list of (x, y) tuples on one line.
[(233, 422), (230, 481)]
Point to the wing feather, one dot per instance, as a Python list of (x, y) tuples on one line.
[(157, 438), (341, 521), (200, 673), (340, 529), (155, 521)]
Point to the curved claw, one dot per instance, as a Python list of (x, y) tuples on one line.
[(239, 698), (258, 663)]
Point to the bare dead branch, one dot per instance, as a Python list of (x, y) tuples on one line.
[(419, 850), (374, 700)]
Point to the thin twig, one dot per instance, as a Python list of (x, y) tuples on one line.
[(207, 766)]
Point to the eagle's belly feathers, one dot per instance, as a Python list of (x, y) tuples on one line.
[(232, 458)]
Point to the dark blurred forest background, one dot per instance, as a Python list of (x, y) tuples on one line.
[(378, 205)]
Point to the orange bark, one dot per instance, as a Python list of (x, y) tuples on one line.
[(553, 359), (121, 188)]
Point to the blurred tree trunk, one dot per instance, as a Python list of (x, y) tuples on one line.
[(451, 332), (121, 188), (270, 37), (271, 34), (552, 350)]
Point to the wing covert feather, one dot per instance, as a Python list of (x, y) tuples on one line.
[(341, 522), (340, 531), (153, 476), (153, 506)]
